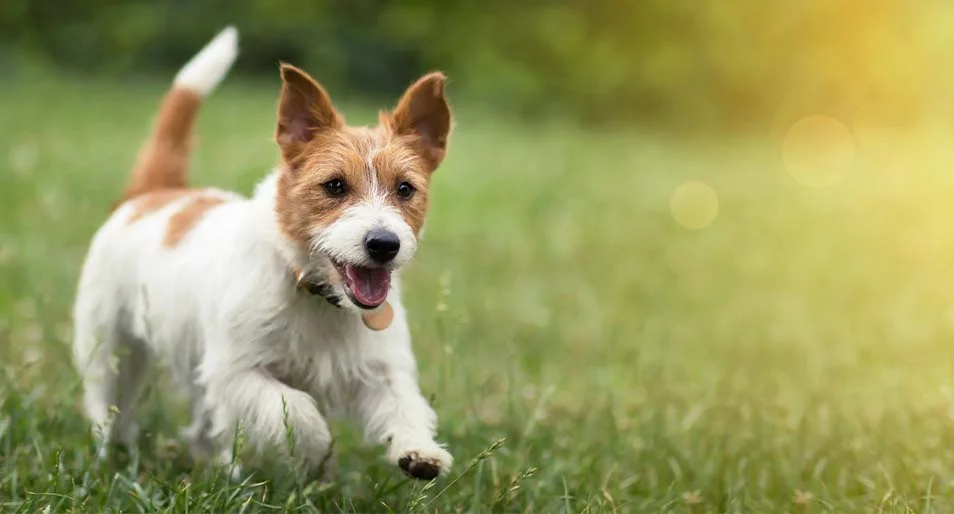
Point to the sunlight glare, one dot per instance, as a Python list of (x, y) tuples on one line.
[(694, 205), (818, 151)]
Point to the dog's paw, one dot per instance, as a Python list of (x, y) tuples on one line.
[(425, 464)]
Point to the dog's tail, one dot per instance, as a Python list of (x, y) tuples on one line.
[(164, 158)]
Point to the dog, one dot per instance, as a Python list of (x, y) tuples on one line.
[(259, 306)]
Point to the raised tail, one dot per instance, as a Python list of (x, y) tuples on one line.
[(164, 158)]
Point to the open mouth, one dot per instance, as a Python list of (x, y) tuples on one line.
[(367, 287)]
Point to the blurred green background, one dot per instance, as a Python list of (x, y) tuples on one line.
[(692, 64)]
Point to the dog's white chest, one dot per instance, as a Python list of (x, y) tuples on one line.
[(318, 348)]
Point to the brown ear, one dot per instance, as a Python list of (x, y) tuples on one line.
[(423, 112), (304, 109)]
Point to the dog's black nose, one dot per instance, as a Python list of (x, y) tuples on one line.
[(382, 245)]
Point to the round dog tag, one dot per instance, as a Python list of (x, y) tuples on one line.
[(379, 319)]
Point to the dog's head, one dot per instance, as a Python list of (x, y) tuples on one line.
[(354, 198)]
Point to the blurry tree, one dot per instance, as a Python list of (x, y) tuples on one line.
[(684, 62)]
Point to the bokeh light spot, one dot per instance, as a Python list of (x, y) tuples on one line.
[(818, 151), (694, 205)]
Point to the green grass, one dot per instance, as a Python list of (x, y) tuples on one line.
[(584, 351)]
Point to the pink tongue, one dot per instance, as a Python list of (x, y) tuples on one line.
[(368, 285)]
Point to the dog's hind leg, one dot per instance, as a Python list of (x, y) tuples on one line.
[(113, 366)]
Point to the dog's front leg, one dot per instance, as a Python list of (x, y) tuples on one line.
[(272, 416), (394, 413)]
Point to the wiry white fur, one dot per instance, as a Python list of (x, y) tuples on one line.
[(249, 349), (343, 240), (205, 71)]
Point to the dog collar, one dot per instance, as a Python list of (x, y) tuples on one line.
[(377, 320), (320, 289)]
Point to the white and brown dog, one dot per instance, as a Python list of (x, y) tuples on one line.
[(227, 290)]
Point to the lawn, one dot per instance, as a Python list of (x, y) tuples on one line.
[(583, 349)]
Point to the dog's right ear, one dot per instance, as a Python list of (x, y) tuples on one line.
[(304, 109)]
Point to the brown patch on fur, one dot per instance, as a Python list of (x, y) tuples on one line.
[(397, 163), (151, 202), (316, 146), (163, 161), (186, 218), (331, 154)]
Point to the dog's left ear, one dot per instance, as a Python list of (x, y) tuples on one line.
[(423, 114)]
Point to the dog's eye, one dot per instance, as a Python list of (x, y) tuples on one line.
[(335, 187), (405, 190)]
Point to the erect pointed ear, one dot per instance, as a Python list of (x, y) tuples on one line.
[(423, 112), (304, 109)]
